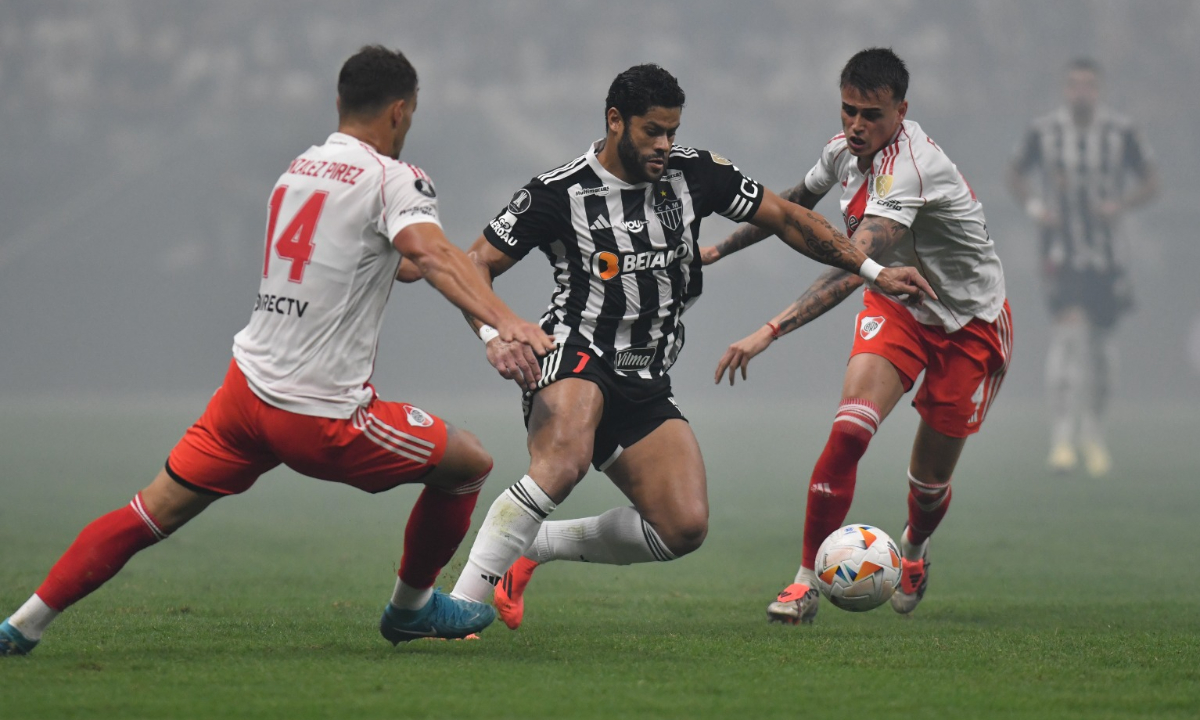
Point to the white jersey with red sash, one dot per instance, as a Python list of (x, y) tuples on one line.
[(914, 183)]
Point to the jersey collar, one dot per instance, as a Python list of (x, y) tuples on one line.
[(607, 177)]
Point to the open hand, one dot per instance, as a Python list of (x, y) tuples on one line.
[(738, 355), (904, 281), (515, 361)]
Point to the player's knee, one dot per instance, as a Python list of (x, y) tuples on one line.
[(686, 534), (477, 460), (564, 460), (465, 466)]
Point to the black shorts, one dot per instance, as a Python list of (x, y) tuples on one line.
[(1104, 296), (633, 407)]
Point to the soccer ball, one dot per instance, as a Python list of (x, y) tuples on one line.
[(858, 567)]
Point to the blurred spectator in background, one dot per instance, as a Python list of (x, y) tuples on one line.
[(1077, 171)]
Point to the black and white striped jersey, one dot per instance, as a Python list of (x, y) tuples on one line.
[(1079, 169), (625, 256)]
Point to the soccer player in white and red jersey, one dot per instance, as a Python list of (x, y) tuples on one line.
[(345, 220), (904, 203)]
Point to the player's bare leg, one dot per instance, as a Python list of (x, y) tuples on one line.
[(562, 427), (934, 457), (870, 390), (99, 552), (663, 476), (438, 523)]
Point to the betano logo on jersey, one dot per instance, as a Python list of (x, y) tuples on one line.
[(607, 265)]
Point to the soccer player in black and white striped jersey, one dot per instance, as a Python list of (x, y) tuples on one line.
[(1083, 157), (619, 225)]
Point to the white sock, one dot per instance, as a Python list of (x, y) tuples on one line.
[(510, 526), (807, 576), (32, 618), (1066, 379), (618, 537), (407, 597), (908, 550)]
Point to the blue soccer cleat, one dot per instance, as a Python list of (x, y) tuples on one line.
[(442, 617), (12, 642)]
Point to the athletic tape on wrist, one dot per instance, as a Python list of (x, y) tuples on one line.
[(870, 270)]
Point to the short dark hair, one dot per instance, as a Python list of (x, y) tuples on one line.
[(1083, 62), (642, 87), (374, 77), (874, 69)]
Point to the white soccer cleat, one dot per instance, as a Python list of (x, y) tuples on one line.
[(796, 605), (1096, 459), (1063, 458)]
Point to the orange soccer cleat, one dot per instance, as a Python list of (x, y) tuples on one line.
[(510, 592), (796, 605), (914, 577)]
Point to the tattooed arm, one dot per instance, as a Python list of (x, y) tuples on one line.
[(874, 236), (747, 235)]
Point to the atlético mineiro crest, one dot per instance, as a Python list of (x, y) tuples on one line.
[(869, 327), (668, 208), (417, 417)]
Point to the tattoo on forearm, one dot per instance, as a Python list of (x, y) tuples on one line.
[(747, 234), (743, 237), (874, 235), (830, 289), (834, 250)]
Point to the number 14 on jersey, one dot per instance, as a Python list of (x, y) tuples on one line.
[(295, 243)]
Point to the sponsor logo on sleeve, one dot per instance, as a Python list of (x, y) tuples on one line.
[(520, 202), (883, 185), (429, 210), (503, 227), (417, 417), (868, 327), (425, 187)]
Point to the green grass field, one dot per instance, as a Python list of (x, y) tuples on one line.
[(1050, 597)]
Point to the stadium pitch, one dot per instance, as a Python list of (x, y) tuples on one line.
[(1050, 596)]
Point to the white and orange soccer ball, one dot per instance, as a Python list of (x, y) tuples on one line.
[(858, 567)]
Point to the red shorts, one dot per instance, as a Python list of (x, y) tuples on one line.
[(963, 369), (239, 437)]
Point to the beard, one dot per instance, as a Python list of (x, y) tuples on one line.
[(634, 164)]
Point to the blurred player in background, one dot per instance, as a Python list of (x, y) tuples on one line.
[(904, 203), (344, 221), (619, 226), (1083, 157)]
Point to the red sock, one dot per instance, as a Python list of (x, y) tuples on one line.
[(100, 551), (927, 505), (831, 488), (438, 523)]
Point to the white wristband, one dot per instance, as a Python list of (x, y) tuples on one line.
[(870, 269), (487, 333)]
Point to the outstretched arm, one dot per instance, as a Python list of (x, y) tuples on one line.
[(513, 360), (451, 272), (811, 234), (874, 236), (747, 234)]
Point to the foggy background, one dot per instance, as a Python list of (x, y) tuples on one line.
[(141, 139)]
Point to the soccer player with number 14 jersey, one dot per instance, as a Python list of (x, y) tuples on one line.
[(345, 220)]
